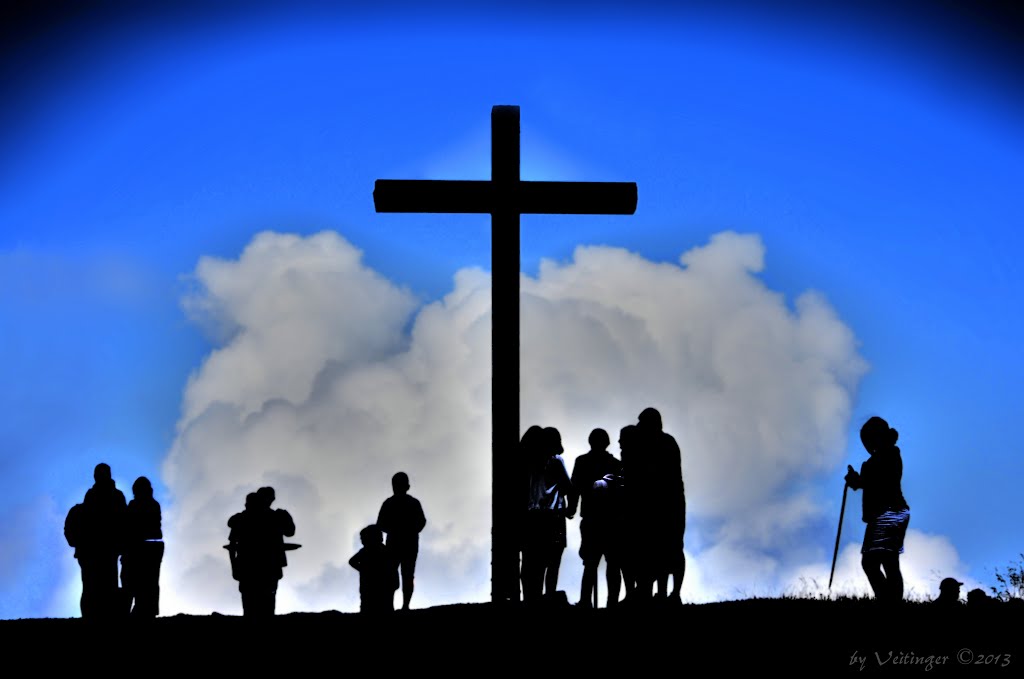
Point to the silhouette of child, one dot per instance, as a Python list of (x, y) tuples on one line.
[(401, 517), (885, 511), (378, 572)]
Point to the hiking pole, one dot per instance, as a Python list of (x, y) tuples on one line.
[(835, 552)]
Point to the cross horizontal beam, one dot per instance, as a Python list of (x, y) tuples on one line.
[(486, 197)]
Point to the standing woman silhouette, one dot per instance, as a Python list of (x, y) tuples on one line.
[(885, 511), (548, 490)]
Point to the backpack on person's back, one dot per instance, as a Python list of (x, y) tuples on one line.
[(74, 525)]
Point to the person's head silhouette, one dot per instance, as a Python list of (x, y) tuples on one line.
[(142, 489), (977, 597), (101, 474), (627, 437), (400, 483), (599, 440), (949, 589), (266, 496), (371, 535), (650, 419), (553, 442), (532, 446), (532, 436), (251, 501), (876, 435)]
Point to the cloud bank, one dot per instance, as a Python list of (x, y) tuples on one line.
[(328, 378)]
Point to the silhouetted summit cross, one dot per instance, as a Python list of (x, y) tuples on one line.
[(505, 197)]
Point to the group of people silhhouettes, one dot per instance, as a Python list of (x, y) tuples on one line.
[(102, 528), (257, 549), (379, 564), (632, 511)]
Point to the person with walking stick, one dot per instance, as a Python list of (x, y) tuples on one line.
[(885, 510)]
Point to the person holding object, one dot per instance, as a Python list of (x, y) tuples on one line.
[(885, 510), (257, 547), (143, 552), (597, 481)]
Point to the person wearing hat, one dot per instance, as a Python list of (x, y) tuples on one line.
[(884, 509), (949, 592)]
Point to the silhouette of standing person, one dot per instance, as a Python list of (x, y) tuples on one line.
[(143, 552), (644, 512), (378, 572), (884, 509), (596, 479), (531, 458), (548, 489), (668, 503), (631, 515), (238, 540), (256, 542), (401, 517), (95, 528)]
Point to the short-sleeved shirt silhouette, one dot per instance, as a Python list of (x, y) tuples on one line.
[(401, 518), (590, 467)]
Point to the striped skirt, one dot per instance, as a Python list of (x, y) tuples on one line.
[(885, 533)]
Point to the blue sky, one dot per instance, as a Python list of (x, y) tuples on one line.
[(878, 165)]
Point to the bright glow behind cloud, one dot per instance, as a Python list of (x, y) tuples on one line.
[(322, 390)]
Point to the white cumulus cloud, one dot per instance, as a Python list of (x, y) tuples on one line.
[(329, 378)]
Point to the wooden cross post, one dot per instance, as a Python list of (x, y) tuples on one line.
[(505, 197)]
